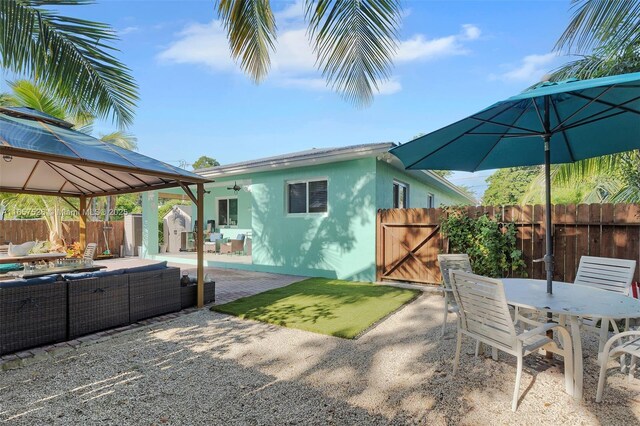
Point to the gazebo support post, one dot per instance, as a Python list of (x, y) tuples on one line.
[(83, 221), (200, 243)]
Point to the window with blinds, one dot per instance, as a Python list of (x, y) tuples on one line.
[(400, 195), (307, 197)]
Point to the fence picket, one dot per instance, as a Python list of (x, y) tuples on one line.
[(19, 231), (411, 237)]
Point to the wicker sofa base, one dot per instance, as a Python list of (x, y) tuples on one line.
[(32, 315), (40, 314), (189, 294), (98, 304), (153, 293)]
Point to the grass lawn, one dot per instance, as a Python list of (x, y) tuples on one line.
[(334, 307)]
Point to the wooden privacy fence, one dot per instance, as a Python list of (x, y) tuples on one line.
[(19, 231), (409, 240)]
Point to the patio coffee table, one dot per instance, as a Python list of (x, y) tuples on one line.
[(572, 301), (48, 257), (34, 273)]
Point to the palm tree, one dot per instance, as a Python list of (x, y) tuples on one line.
[(70, 57), (606, 36), (36, 96), (597, 23), (354, 40)]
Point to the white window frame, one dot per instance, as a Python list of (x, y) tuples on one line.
[(306, 181), (218, 199), (406, 190), (431, 200)]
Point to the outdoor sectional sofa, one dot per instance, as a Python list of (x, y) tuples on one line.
[(56, 308)]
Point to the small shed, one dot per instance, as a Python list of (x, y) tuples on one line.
[(177, 221)]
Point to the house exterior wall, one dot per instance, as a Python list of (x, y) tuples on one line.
[(337, 244), (418, 191)]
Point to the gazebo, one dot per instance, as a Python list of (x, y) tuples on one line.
[(42, 155)]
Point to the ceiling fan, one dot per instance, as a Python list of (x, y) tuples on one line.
[(236, 188)]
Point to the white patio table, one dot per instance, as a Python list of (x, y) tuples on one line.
[(572, 301)]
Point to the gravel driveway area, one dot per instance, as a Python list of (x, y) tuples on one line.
[(209, 368)]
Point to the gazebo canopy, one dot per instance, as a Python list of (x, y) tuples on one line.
[(42, 155)]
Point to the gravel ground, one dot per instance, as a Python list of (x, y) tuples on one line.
[(206, 368)]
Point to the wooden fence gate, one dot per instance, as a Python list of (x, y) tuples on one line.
[(409, 240)]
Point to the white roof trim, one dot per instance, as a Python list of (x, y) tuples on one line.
[(302, 159)]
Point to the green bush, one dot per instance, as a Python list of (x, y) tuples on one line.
[(490, 244)]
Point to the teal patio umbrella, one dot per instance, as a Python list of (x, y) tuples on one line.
[(551, 123)]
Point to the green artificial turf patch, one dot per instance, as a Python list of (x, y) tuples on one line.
[(334, 307)]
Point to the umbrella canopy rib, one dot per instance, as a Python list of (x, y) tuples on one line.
[(565, 138), (448, 143)]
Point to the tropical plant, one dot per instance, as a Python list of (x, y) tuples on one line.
[(596, 23), (490, 243), (606, 36), (508, 185), (354, 40), (204, 161), (73, 58)]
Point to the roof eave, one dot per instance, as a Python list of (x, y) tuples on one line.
[(301, 161)]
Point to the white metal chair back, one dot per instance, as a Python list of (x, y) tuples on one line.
[(90, 251), (484, 313), (606, 273), (453, 262)]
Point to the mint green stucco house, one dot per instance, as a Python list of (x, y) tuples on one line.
[(309, 213)]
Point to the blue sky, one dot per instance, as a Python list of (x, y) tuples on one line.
[(455, 57)]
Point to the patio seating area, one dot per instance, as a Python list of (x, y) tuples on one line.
[(240, 371)]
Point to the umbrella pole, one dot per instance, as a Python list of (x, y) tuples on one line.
[(548, 257)]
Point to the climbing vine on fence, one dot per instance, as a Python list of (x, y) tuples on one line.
[(490, 244)]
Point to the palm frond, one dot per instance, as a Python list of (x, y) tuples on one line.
[(36, 96), (596, 22), (355, 41), (603, 62), (71, 57), (28, 94), (580, 171), (122, 139), (251, 30)]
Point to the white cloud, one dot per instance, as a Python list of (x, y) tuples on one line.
[(419, 47), (128, 30), (389, 87), (530, 70), (293, 64), (293, 11)]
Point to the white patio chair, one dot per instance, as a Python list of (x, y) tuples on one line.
[(450, 262), (484, 316), (632, 347), (608, 274), (90, 251)]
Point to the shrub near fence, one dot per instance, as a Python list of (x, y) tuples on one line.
[(409, 240), (19, 231)]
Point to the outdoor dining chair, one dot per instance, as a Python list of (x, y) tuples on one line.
[(90, 251), (632, 347), (450, 262), (608, 274), (484, 315)]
